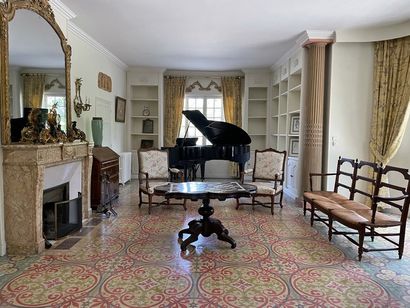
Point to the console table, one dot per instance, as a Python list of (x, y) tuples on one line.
[(205, 191)]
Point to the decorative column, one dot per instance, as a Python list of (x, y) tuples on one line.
[(313, 115)]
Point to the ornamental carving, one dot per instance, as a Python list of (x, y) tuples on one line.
[(104, 82), (202, 88)]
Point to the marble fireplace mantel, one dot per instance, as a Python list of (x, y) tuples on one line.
[(23, 176)]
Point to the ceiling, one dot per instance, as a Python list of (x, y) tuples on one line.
[(220, 34)]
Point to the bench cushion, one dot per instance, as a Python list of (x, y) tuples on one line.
[(354, 219), (326, 206), (354, 205), (349, 218), (381, 219), (324, 195)]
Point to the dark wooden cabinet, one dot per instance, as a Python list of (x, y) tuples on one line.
[(105, 166)]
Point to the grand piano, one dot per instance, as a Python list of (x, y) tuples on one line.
[(229, 142)]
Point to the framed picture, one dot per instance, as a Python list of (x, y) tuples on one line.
[(294, 124), (120, 109), (293, 147), (148, 126), (147, 143)]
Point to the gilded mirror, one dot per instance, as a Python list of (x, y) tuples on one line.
[(35, 65)]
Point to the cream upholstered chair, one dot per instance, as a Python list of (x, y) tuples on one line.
[(153, 172), (267, 176)]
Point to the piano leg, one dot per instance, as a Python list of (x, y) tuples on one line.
[(202, 171), (190, 171), (241, 168), (186, 175)]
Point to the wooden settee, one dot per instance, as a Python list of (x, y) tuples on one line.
[(350, 210)]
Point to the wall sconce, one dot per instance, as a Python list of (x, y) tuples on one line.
[(79, 107)]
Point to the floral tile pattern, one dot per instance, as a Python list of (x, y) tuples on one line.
[(134, 260)]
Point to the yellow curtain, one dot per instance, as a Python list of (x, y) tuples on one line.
[(232, 102), (232, 99), (391, 98), (174, 88), (33, 90)]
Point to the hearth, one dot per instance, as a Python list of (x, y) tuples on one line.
[(61, 216)]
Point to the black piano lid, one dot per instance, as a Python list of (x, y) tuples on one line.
[(217, 132)]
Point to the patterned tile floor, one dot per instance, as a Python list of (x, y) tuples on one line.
[(134, 260)]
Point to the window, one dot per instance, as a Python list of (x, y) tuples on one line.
[(50, 100), (211, 107)]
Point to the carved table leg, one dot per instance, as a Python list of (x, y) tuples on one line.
[(205, 226), (223, 233)]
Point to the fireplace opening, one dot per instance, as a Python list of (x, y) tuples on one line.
[(61, 216)]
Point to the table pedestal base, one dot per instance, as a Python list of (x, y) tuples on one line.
[(205, 227)]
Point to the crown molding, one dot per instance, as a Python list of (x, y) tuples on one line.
[(62, 9), (92, 42), (316, 36), (307, 37)]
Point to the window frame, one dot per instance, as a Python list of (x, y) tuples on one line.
[(185, 121)]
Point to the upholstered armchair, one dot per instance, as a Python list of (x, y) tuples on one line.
[(267, 176), (153, 172)]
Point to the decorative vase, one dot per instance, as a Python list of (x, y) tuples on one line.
[(97, 130)]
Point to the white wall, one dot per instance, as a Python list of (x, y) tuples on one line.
[(350, 105), (87, 62)]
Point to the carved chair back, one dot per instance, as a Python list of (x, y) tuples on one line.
[(399, 194), (154, 162), (269, 165)]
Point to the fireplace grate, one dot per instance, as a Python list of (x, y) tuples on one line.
[(62, 218)]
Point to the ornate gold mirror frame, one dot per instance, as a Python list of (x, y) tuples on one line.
[(7, 10)]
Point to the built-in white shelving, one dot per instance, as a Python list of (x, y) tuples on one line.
[(285, 108)]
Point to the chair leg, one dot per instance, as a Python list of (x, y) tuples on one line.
[(372, 233), (253, 203), (237, 203), (184, 204), (281, 198), (140, 195), (149, 203), (304, 207), (272, 202), (401, 240), (312, 214), (361, 240), (330, 231)]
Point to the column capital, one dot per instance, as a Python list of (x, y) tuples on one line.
[(317, 42), (309, 37)]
